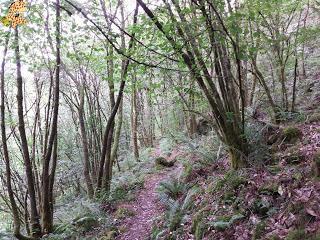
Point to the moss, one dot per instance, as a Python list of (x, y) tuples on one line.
[(314, 118), (259, 230), (86, 223), (111, 235), (164, 162), (291, 134), (122, 213), (269, 189), (274, 169), (297, 234)]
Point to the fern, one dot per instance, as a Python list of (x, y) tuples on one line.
[(173, 188)]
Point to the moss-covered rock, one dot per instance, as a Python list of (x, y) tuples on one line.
[(164, 162), (123, 212), (86, 223), (291, 134), (111, 235), (315, 117)]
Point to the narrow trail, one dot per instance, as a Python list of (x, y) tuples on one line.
[(147, 206)]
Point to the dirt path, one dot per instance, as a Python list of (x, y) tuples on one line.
[(147, 206)]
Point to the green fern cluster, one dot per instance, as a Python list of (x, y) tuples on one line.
[(178, 198)]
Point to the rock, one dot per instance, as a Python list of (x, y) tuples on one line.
[(164, 162)]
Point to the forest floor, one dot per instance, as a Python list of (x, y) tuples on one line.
[(146, 207)]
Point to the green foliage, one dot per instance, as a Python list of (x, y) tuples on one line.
[(173, 188), (230, 181), (259, 230), (224, 222), (315, 117), (296, 234), (166, 145)]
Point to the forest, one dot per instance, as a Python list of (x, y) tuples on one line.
[(160, 119)]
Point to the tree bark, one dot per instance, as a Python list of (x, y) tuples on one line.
[(47, 220), (34, 216)]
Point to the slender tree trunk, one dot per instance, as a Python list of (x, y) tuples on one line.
[(34, 216), (13, 204), (294, 85), (86, 160), (116, 141), (47, 220), (134, 122), (105, 159)]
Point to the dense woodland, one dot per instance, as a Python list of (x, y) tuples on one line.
[(160, 119)]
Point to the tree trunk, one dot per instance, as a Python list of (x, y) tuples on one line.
[(34, 216), (134, 122), (86, 160), (47, 220), (116, 141), (14, 207)]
